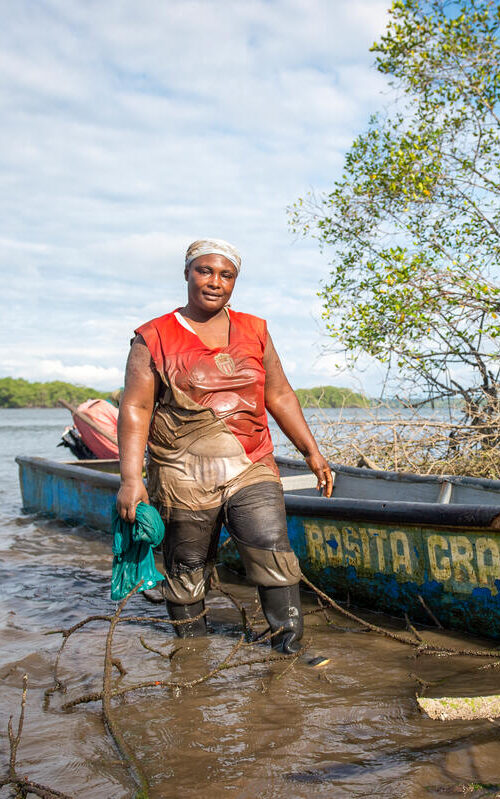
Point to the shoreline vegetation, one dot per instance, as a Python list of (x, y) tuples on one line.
[(21, 393), (331, 397)]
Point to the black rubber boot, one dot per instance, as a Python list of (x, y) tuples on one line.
[(195, 628), (282, 608)]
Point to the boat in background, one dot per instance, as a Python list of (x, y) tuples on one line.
[(394, 542), (94, 432)]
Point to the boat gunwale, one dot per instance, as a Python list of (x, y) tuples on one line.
[(403, 477), (428, 514), (71, 471), (415, 514)]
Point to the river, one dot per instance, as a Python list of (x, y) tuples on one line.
[(351, 729)]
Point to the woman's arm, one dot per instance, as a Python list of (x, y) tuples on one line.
[(284, 407), (136, 407)]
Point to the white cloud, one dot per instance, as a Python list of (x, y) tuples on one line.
[(131, 129), (82, 374)]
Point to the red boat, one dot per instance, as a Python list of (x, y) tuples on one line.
[(94, 432)]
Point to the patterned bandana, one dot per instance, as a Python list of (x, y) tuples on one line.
[(213, 247)]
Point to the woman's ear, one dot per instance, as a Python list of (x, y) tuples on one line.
[(186, 272)]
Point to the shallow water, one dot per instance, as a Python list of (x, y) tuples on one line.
[(351, 729)]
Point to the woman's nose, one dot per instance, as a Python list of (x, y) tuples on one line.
[(215, 279)]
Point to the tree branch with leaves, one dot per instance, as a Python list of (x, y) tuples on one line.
[(414, 220)]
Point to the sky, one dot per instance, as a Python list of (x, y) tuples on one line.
[(130, 129)]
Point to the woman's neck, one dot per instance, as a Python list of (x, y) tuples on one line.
[(200, 315)]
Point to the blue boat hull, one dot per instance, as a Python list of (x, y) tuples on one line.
[(385, 556), (387, 568), (75, 494)]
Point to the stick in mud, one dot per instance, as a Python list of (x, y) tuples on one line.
[(412, 629), (107, 693), (58, 685), (23, 785), (124, 749), (429, 612), (225, 665), (423, 648)]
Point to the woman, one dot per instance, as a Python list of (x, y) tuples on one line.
[(210, 373)]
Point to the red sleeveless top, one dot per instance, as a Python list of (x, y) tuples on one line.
[(209, 431), (229, 380)]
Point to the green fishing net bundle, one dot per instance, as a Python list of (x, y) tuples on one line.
[(133, 543)]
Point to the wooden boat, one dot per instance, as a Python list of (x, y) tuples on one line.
[(399, 543)]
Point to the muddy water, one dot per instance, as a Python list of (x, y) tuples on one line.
[(349, 730)]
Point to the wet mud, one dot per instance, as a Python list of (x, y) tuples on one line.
[(350, 729)]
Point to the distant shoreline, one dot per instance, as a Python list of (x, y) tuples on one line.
[(331, 397), (21, 393)]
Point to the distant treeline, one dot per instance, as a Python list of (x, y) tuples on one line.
[(331, 397), (20, 393)]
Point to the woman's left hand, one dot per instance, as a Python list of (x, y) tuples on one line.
[(319, 466)]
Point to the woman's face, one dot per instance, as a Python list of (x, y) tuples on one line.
[(210, 280)]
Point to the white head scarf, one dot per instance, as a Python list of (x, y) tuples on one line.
[(213, 247)]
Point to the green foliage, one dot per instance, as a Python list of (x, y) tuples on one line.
[(20, 393), (414, 222), (330, 397)]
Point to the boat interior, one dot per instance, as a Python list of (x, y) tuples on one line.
[(351, 482)]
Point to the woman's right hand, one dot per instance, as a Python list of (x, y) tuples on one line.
[(130, 494)]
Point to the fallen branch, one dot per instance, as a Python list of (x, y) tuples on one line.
[(119, 665), (372, 627), (364, 458), (294, 660), (66, 632), (225, 665), (422, 446), (166, 655), (422, 648), (429, 649), (429, 612), (412, 629), (324, 611), (124, 749), (23, 785), (247, 628)]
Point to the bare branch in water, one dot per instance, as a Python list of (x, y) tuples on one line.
[(66, 632), (124, 749), (225, 665), (422, 648), (23, 785), (165, 655), (429, 612)]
